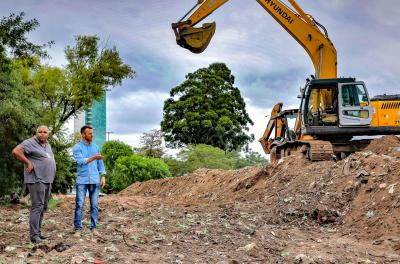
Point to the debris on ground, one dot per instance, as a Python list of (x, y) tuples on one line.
[(295, 211)]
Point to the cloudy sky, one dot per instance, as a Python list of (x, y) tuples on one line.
[(268, 64)]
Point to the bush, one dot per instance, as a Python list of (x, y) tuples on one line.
[(130, 169), (113, 150), (176, 167)]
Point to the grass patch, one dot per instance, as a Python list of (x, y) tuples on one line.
[(53, 203)]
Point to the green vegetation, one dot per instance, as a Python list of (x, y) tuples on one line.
[(113, 150), (33, 94), (124, 167), (18, 107), (53, 203), (135, 168), (204, 156), (207, 109)]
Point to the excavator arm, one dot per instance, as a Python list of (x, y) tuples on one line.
[(300, 26), (273, 123)]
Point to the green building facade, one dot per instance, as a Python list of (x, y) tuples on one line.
[(96, 117)]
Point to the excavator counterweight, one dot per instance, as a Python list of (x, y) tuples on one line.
[(194, 39)]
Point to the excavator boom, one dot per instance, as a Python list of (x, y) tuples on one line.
[(302, 27)]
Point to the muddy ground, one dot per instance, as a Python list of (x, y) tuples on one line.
[(295, 211)]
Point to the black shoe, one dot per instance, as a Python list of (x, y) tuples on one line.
[(36, 240), (44, 237)]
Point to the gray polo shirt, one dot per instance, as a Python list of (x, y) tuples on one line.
[(42, 158)]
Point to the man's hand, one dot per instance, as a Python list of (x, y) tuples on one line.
[(18, 152), (29, 167), (103, 181), (98, 156)]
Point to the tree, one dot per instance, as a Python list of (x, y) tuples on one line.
[(150, 144), (207, 109), (176, 166), (18, 105), (89, 72), (17, 121)]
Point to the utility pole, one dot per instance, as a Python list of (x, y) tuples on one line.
[(108, 135)]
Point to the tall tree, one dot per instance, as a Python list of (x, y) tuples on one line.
[(207, 109), (151, 144), (18, 105), (89, 72)]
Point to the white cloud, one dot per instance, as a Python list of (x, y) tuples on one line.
[(137, 112)]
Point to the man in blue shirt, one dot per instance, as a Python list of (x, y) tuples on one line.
[(89, 169)]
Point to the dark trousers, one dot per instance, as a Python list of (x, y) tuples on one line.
[(40, 194)]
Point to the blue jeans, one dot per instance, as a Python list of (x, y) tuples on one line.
[(81, 189)]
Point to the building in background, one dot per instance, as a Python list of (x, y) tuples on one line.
[(96, 118)]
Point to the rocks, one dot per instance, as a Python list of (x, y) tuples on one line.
[(248, 247), (303, 259)]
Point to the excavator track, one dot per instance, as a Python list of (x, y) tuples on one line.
[(319, 150)]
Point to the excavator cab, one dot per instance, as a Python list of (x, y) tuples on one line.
[(194, 39)]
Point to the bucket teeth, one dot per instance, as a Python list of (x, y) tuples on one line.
[(196, 39)]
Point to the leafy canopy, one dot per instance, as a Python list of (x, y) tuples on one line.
[(13, 31), (207, 109), (89, 72)]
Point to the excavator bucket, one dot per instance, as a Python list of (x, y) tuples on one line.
[(195, 39)]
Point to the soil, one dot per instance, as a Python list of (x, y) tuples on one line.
[(294, 211)]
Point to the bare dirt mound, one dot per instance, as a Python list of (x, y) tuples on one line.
[(323, 191), (384, 145), (361, 192)]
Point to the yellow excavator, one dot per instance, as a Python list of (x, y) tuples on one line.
[(332, 110)]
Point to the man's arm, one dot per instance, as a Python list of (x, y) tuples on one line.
[(102, 171), (18, 152), (81, 160), (98, 156)]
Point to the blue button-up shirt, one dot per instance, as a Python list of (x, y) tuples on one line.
[(87, 173)]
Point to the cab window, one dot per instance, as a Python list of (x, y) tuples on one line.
[(354, 95)]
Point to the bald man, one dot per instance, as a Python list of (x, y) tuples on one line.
[(39, 171)]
